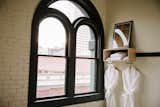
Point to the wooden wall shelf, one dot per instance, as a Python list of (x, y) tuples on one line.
[(131, 53)]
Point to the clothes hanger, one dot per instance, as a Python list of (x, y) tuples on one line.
[(109, 61), (130, 65)]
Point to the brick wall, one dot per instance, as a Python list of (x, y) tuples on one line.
[(15, 28)]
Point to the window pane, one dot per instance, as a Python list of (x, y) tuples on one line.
[(52, 37), (85, 75), (85, 42), (70, 9), (51, 76)]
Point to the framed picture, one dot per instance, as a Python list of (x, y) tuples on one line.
[(122, 35)]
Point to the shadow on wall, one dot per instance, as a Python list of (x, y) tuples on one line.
[(139, 94), (2, 2), (157, 2)]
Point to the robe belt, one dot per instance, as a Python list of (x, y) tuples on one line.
[(109, 92), (129, 93)]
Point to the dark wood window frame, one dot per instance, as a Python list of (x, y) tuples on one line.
[(94, 22)]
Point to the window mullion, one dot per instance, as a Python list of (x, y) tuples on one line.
[(100, 76), (70, 75)]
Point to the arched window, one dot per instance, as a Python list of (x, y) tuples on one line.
[(66, 64)]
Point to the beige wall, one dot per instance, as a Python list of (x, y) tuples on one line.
[(145, 14), (101, 7), (146, 36), (15, 34)]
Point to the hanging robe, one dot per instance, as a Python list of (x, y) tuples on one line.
[(130, 78), (111, 81)]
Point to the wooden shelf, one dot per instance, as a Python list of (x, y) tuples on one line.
[(131, 53)]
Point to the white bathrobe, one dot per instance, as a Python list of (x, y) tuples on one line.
[(111, 81), (130, 78)]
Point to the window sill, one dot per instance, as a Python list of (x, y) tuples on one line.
[(58, 102)]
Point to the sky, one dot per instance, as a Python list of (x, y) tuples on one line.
[(51, 33)]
